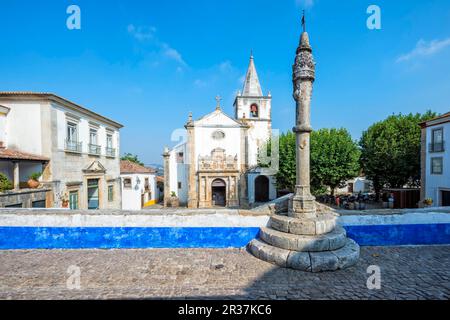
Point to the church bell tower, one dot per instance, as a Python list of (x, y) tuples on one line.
[(255, 108)]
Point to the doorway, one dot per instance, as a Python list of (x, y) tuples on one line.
[(93, 194), (219, 193), (261, 189), (445, 196)]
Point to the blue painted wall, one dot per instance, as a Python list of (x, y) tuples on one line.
[(151, 237), (111, 238), (400, 234)]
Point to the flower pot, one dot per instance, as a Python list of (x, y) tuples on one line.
[(174, 202), (65, 203), (33, 184)]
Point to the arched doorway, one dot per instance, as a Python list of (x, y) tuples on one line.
[(219, 193), (262, 189)]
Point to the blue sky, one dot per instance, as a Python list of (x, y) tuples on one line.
[(147, 64)]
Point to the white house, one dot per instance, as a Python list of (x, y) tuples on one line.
[(138, 186), (435, 160), (216, 164), (356, 185), (75, 148)]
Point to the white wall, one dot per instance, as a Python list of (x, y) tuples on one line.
[(23, 127), (131, 198), (433, 182), (179, 173)]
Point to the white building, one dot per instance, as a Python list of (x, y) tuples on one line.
[(217, 164), (435, 160), (75, 149), (138, 186), (356, 185)]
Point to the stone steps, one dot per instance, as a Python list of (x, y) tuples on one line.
[(323, 223), (307, 261), (288, 241)]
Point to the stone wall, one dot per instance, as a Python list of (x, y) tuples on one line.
[(25, 197)]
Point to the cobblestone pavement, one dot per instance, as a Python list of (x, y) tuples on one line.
[(421, 272)]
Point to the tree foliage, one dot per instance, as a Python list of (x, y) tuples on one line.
[(391, 150), (334, 159), (132, 158)]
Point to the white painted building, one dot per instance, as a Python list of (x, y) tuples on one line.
[(138, 186), (77, 149), (356, 185), (435, 160), (217, 164)]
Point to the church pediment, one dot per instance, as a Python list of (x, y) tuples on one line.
[(217, 119), (95, 167)]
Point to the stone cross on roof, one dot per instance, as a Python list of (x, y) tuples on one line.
[(218, 99)]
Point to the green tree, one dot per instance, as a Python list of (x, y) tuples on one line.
[(5, 184), (391, 151), (132, 158), (334, 159)]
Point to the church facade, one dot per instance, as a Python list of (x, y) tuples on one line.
[(217, 164)]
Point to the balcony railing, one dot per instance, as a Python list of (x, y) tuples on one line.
[(436, 147), (110, 152), (73, 146), (94, 149)]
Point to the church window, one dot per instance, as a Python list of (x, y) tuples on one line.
[(179, 185), (180, 157), (254, 111), (218, 135)]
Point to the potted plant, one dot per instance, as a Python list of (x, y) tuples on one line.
[(174, 202), (427, 202), (33, 180), (64, 199)]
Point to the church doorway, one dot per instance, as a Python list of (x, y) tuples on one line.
[(261, 189), (219, 194)]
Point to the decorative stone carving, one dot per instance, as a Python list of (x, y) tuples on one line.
[(218, 161)]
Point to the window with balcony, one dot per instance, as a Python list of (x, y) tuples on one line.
[(94, 148), (437, 140), (72, 143), (110, 151), (436, 165)]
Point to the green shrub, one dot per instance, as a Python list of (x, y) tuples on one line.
[(5, 184)]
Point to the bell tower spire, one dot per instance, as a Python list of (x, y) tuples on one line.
[(252, 87)]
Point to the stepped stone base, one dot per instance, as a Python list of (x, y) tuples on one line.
[(332, 260), (312, 243)]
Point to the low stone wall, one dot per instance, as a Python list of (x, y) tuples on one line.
[(24, 197)]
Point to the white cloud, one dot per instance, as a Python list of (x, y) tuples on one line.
[(199, 83), (225, 66), (424, 49), (141, 33), (148, 34), (173, 54), (304, 3)]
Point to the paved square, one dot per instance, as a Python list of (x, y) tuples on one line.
[(421, 272)]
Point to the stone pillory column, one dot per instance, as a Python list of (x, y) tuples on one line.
[(302, 205), (303, 238)]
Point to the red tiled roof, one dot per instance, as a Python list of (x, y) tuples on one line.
[(10, 154), (442, 116), (127, 166)]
